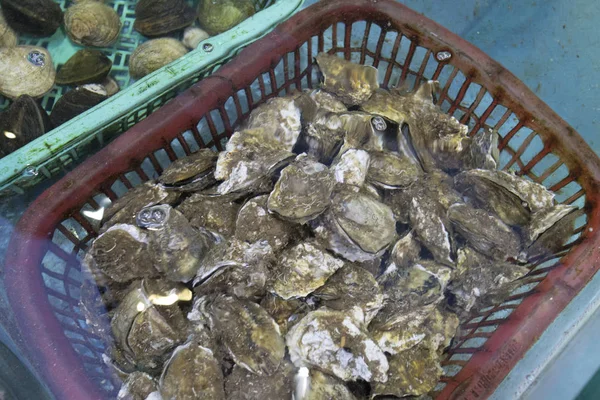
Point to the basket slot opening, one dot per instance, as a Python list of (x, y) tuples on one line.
[(134, 179), (339, 33), (232, 113), (162, 158), (558, 179), (451, 370)]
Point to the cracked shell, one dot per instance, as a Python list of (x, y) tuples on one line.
[(92, 23), (352, 83), (388, 171), (336, 343), (137, 387), (25, 70), (244, 385), (192, 372), (302, 192), (302, 269), (485, 232), (250, 335)]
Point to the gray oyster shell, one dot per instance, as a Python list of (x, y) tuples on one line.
[(209, 213), (254, 223), (385, 104), (315, 385), (388, 170), (302, 269), (351, 167), (322, 136), (241, 281), (250, 335), (485, 232), (352, 286), (122, 253), (280, 118), (323, 100), (549, 229), (336, 343), (285, 312), (137, 387), (360, 132), (191, 173), (192, 372), (302, 192), (405, 251), (352, 83), (432, 227), (483, 151), (245, 385)]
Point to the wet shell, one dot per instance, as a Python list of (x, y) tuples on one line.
[(137, 387), (432, 227), (286, 313), (550, 229), (218, 16), (36, 17), (351, 168), (192, 36), (213, 214), (388, 170), (159, 17), (153, 55), (244, 385), (91, 23), (183, 170), (280, 119), (318, 386), (24, 121), (73, 103), (406, 251), (85, 66), (483, 151), (8, 37), (25, 70)]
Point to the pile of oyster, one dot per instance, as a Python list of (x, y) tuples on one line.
[(329, 252), (27, 73)]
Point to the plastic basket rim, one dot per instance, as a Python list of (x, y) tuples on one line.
[(486, 369), (55, 143)]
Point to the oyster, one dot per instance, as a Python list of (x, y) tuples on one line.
[(352, 83), (389, 171), (315, 385), (405, 252), (302, 269), (550, 229), (412, 372), (336, 343), (432, 227), (218, 16), (361, 131), (349, 287), (285, 312), (279, 118), (85, 66), (153, 55), (177, 247), (250, 335), (314, 99), (24, 121), (302, 192), (254, 223), (137, 387), (35, 17), (244, 385), (485, 232), (159, 17), (192, 372), (92, 23), (122, 253), (192, 36), (25, 70), (192, 173), (212, 214), (385, 104), (8, 37), (351, 168), (322, 136), (73, 103), (245, 281), (483, 151)]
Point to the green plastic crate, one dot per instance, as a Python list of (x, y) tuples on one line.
[(67, 145)]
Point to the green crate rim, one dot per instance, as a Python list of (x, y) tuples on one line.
[(25, 163)]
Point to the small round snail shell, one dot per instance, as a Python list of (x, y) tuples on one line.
[(153, 55), (192, 36), (91, 23)]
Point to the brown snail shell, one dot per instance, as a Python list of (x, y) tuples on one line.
[(159, 17), (153, 55), (85, 66), (91, 23), (25, 70), (8, 37), (36, 17), (73, 103), (24, 121)]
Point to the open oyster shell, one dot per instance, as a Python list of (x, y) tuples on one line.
[(336, 343)]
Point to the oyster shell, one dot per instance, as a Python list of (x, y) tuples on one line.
[(483, 151), (137, 387), (279, 118), (352, 286), (241, 281), (549, 230), (192, 36), (352, 83), (405, 252), (250, 335), (385, 104), (85, 66), (322, 136), (35, 17), (254, 223), (286, 313), (351, 168), (192, 173), (432, 227), (302, 192), (24, 121), (244, 385), (159, 17), (192, 372), (314, 99), (315, 385), (218, 16), (302, 269), (177, 247), (73, 103), (389, 171), (153, 55), (336, 343), (212, 214), (485, 232), (25, 70), (92, 23), (8, 37)]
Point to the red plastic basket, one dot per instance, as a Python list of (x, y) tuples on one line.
[(42, 266)]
